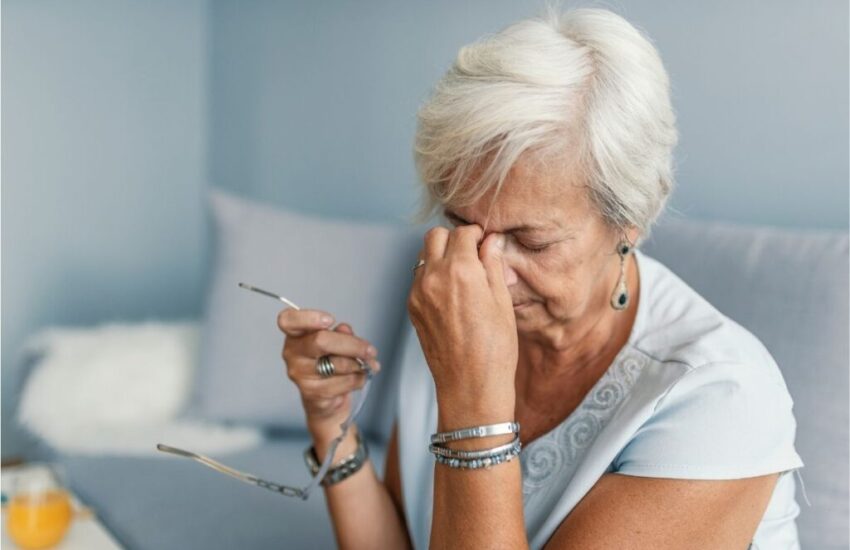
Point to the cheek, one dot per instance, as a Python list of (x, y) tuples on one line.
[(551, 279)]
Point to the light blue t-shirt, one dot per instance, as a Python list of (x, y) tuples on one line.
[(691, 395)]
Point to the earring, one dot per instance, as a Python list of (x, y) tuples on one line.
[(620, 297)]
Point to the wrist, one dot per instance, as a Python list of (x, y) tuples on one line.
[(324, 435), (456, 411)]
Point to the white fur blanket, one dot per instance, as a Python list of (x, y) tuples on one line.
[(119, 388)]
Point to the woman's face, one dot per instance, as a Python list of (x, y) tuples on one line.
[(560, 260)]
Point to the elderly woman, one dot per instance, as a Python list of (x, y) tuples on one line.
[(562, 389)]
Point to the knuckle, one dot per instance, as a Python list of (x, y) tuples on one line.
[(288, 353), (309, 387), (321, 339), (435, 231), (326, 393), (458, 271), (429, 284), (282, 319)]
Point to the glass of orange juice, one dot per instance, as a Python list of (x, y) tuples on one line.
[(40, 510)]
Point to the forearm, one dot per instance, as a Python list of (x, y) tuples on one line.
[(480, 508), (361, 509)]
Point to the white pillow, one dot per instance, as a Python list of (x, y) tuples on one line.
[(119, 388)]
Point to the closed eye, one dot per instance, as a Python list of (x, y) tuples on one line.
[(534, 249)]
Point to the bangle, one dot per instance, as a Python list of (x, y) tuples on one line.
[(345, 468), (476, 431), (485, 453), (480, 462)]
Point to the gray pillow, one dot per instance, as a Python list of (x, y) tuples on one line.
[(790, 289), (358, 271)]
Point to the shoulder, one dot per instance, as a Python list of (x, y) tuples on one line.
[(717, 406), (678, 325)]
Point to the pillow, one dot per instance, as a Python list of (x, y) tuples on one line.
[(358, 271), (118, 388), (790, 288)]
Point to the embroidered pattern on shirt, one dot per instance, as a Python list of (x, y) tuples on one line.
[(549, 462)]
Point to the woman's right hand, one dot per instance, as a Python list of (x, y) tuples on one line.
[(326, 401)]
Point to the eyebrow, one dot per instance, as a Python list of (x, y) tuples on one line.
[(516, 229)]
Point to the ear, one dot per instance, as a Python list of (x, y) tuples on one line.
[(633, 234)]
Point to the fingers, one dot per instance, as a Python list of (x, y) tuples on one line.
[(301, 354), (336, 386), (463, 241), (297, 322), (374, 363), (491, 256), (435, 245), (325, 342)]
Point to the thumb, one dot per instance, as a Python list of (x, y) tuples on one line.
[(345, 328), (490, 255)]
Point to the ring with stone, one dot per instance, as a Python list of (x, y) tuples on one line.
[(325, 367)]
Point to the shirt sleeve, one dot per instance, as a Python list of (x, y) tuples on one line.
[(718, 421)]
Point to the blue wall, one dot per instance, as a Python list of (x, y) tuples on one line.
[(104, 144), (313, 103), (118, 115)]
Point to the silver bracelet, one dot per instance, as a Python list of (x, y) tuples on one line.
[(342, 470), (480, 462), (458, 453), (476, 431)]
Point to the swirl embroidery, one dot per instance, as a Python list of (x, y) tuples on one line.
[(552, 458), (538, 466)]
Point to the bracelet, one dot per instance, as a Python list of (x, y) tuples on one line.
[(480, 462), (347, 467), (457, 453), (476, 431)]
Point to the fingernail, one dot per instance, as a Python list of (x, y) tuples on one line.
[(372, 351), (500, 241), (326, 320)]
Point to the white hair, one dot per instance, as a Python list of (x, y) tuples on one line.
[(583, 81)]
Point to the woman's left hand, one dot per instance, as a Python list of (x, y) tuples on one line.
[(462, 311)]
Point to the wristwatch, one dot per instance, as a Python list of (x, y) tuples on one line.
[(338, 472)]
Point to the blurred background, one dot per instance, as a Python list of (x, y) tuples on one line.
[(119, 116)]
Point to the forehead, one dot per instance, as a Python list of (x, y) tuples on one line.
[(546, 196)]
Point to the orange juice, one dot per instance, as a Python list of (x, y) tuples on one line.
[(39, 520)]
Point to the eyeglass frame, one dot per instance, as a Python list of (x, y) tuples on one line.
[(285, 490)]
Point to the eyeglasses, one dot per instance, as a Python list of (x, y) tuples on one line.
[(286, 490)]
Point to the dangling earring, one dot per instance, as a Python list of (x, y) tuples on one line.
[(620, 297)]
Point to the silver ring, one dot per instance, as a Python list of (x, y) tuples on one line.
[(419, 264), (325, 367)]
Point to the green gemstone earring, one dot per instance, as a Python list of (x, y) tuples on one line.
[(620, 297)]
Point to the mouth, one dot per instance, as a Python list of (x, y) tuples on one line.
[(522, 305)]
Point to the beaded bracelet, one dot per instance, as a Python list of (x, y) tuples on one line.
[(462, 454), (476, 463)]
